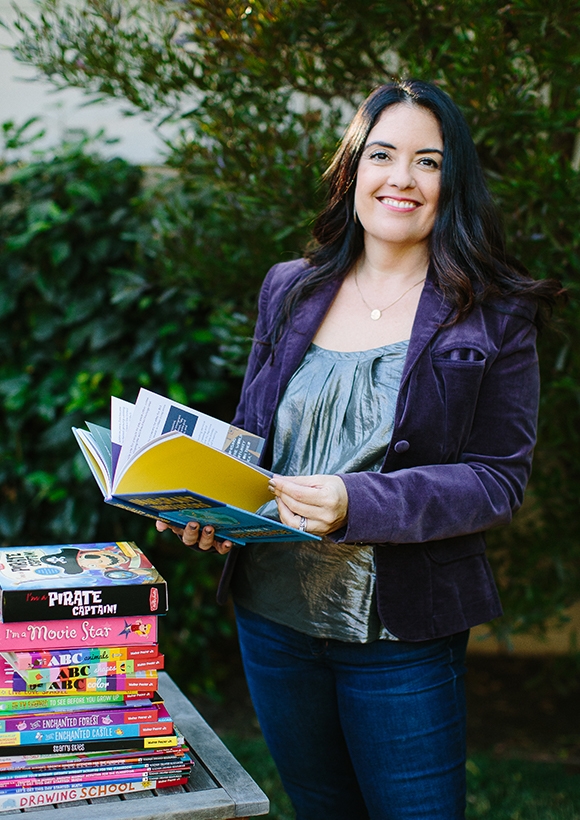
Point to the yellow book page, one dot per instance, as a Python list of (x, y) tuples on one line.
[(180, 463)]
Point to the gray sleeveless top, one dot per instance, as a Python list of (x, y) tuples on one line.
[(336, 415)]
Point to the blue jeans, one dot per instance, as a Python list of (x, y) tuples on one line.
[(360, 731)]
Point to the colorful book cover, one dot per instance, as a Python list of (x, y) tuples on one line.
[(113, 683), (74, 720), (91, 670), (82, 733), (36, 703), (232, 523), (48, 658), (133, 743), (16, 784), (68, 634), (78, 581), (30, 799), (104, 756), (23, 780), (27, 776)]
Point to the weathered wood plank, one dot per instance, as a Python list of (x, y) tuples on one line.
[(248, 798)]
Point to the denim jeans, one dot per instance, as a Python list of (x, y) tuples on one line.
[(360, 731)]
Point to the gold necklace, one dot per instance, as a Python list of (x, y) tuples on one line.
[(375, 312)]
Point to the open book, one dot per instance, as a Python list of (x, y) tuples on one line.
[(164, 460)]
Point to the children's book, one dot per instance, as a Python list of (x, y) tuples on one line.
[(40, 722), (11, 704), (155, 759), (74, 633), (33, 798), (74, 734), (82, 746), (171, 473), (78, 581), (113, 683), (49, 658), (99, 669)]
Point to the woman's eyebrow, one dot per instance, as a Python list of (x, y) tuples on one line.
[(394, 148)]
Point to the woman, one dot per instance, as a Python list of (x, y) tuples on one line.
[(394, 376)]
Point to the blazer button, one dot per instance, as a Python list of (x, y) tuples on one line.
[(402, 446)]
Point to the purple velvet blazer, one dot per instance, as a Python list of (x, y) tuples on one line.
[(459, 458)]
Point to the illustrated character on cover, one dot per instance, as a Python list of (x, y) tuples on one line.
[(91, 564)]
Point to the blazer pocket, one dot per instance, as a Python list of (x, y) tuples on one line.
[(455, 549), (459, 381)]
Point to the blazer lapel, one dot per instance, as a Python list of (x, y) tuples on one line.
[(432, 311)]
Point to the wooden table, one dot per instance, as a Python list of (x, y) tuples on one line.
[(218, 787)]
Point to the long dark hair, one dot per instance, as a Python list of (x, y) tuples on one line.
[(467, 246)]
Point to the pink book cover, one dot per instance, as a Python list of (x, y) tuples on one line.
[(44, 797), (39, 782), (73, 634), (82, 719)]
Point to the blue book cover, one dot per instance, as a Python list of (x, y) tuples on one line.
[(231, 523)]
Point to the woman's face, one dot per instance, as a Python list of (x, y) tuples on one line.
[(399, 176)]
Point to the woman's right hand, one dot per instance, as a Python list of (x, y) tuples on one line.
[(193, 536)]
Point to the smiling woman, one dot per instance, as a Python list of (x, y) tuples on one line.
[(394, 376), (399, 179)]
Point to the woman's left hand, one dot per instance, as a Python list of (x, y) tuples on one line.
[(321, 500)]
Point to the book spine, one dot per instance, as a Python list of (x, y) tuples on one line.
[(48, 797), (27, 776), (86, 733), (77, 655), (113, 683), (68, 634), (134, 743), (81, 602), (91, 670), (31, 703), (42, 782), (73, 720)]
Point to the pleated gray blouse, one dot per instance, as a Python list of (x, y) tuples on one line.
[(336, 416)]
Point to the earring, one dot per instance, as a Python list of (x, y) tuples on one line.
[(355, 216)]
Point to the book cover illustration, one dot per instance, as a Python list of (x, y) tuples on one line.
[(97, 669), (49, 658), (142, 683), (78, 581), (72, 633)]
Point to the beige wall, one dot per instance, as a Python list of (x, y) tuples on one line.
[(556, 642)]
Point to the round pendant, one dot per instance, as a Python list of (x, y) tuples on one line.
[(375, 314)]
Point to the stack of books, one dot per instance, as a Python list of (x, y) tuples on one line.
[(80, 714)]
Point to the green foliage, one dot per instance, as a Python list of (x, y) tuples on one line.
[(86, 313), (520, 790), (159, 288)]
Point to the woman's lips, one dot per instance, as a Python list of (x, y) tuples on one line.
[(399, 204)]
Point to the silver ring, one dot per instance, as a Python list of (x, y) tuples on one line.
[(303, 522)]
